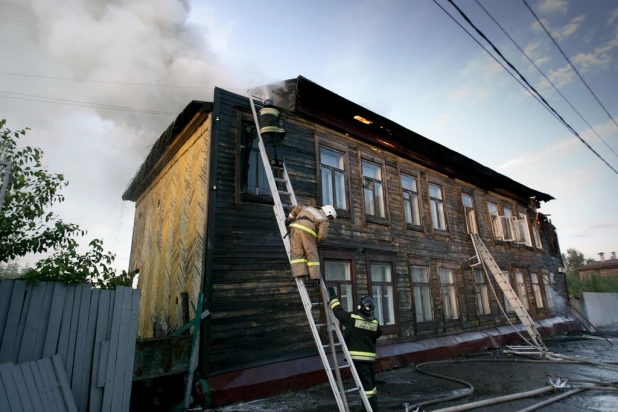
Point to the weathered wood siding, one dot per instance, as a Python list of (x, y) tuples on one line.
[(257, 317), (169, 234)]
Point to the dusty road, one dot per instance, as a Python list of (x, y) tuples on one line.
[(492, 374)]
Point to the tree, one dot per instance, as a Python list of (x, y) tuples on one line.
[(12, 271), (28, 226), (572, 260)]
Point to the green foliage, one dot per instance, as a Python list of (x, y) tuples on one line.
[(594, 282), (572, 260), (28, 226), (573, 284)]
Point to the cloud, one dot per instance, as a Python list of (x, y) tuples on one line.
[(612, 17), (560, 33), (553, 6), (531, 48), (587, 61), (468, 91), (542, 60)]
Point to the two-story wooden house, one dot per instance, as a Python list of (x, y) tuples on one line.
[(405, 204)]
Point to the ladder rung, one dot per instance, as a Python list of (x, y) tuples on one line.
[(351, 390), (316, 304), (475, 265), (283, 192), (279, 179), (342, 366), (334, 344), (276, 167)]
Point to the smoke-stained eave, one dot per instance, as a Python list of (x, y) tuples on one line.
[(313, 101), (159, 154)]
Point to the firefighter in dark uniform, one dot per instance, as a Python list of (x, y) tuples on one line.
[(308, 228), (361, 332)]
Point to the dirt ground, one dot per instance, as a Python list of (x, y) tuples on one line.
[(492, 373)]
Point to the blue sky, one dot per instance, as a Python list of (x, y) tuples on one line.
[(406, 60)]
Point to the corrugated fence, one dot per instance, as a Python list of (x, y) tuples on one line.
[(92, 331)]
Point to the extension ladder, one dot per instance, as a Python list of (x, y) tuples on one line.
[(281, 185), (485, 259)]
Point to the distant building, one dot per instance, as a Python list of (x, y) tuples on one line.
[(405, 204), (604, 267)]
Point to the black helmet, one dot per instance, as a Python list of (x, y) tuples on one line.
[(366, 306)]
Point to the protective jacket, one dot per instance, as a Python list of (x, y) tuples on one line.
[(309, 227), (361, 332)]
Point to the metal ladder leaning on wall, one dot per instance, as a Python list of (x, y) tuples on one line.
[(486, 260), (276, 185)]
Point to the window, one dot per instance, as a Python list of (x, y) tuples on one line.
[(373, 190), (469, 213), (522, 234), (337, 273), (436, 204), (492, 208), (332, 169), (253, 178), (410, 200), (536, 288), (422, 294), (482, 296), (521, 289), (382, 290), (536, 235), (448, 294), (507, 225), (549, 293), (507, 306)]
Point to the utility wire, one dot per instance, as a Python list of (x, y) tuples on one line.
[(111, 82), (43, 99), (531, 88), (569, 61), (546, 78)]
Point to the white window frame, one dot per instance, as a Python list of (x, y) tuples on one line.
[(380, 289), (334, 170), (377, 202), (413, 196), (448, 294), (522, 292), (536, 235), (482, 294), (434, 209), (522, 229), (507, 224), (423, 300), (469, 214), (536, 289), (496, 222), (507, 305)]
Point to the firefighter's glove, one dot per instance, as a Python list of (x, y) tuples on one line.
[(332, 294)]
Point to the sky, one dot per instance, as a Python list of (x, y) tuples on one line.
[(74, 71)]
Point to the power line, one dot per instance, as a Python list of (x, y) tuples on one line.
[(546, 78), (111, 82), (43, 99), (569, 61), (548, 106)]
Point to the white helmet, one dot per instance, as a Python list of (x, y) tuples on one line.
[(330, 211)]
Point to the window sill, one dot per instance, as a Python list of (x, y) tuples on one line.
[(390, 329), (343, 214), (376, 219), (415, 228), (251, 198), (441, 232)]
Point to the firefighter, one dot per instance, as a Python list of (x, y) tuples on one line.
[(308, 228), (361, 332)]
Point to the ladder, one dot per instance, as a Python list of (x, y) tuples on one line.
[(281, 185), (485, 259)]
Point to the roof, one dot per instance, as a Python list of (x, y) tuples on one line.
[(148, 169), (605, 264), (311, 100)]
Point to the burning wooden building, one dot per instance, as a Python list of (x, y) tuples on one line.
[(405, 204)]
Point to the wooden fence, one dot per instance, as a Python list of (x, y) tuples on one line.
[(92, 330)]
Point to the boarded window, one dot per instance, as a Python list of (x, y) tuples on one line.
[(422, 294), (333, 175)]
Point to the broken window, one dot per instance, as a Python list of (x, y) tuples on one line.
[(338, 273), (383, 292), (482, 295), (469, 213), (373, 189), (536, 288), (253, 178), (448, 294), (436, 204), (422, 294), (410, 200), (333, 175), (521, 289)]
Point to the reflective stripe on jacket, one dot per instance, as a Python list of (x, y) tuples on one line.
[(361, 332), (311, 220)]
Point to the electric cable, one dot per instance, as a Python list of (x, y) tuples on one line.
[(569, 61), (43, 99), (548, 106), (546, 78)]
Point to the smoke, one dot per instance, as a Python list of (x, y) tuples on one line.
[(142, 42)]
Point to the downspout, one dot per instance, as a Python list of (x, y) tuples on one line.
[(209, 230)]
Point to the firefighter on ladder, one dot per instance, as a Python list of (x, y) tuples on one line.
[(308, 228), (361, 332)]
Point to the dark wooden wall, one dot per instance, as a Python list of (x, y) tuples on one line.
[(257, 316)]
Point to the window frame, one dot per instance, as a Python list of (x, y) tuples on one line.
[(521, 287), (429, 285), (548, 279), (523, 223), (390, 260), (440, 185), (508, 308), (470, 193), (381, 163), (333, 145), (477, 292), (416, 177), (537, 291), (454, 289), (244, 197), (340, 255), (495, 223)]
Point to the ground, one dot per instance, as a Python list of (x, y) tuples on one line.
[(492, 373)]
